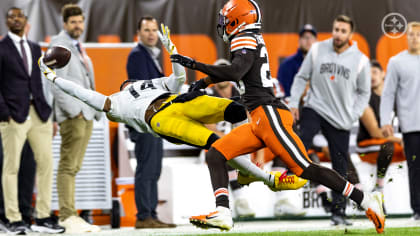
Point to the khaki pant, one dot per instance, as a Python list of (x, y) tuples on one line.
[(39, 135), (75, 134)]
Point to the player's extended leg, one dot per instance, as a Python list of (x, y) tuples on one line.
[(210, 110), (174, 126), (244, 142), (277, 133)]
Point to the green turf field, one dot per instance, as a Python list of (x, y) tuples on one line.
[(389, 231)]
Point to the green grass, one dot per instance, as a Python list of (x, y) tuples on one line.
[(353, 232)]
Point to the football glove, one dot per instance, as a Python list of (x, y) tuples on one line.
[(183, 60), (197, 85), (46, 71), (165, 38)]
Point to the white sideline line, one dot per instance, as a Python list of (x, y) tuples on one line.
[(256, 226)]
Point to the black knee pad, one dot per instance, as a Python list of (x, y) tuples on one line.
[(213, 137), (235, 112)]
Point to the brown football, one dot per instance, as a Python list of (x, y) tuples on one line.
[(57, 57)]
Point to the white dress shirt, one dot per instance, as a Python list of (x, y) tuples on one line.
[(16, 40)]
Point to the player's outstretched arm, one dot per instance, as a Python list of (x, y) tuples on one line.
[(241, 64), (94, 99), (177, 78)]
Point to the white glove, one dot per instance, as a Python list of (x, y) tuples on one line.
[(46, 71), (165, 38)]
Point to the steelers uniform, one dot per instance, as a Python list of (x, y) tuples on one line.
[(180, 119), (271, 121)]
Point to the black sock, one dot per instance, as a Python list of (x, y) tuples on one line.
[(334, 181), (219, 177), (384, 159)]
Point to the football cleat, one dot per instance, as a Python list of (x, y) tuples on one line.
[(284, 207), (220, 219), (282, 181), (242, 208), (374, 211)]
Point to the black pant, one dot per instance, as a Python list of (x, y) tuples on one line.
[(412, 153), (25, 184), (149, 153), (338, 144)]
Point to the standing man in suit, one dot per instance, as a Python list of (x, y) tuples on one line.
[(24, 114), (74, 118), (143, 64)]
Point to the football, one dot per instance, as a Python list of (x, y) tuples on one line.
[(57, 57)]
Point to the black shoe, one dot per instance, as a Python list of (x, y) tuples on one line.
[(3, 226), (47, 225), (17, 228), (326, 203), (340, 220), (416, 216)]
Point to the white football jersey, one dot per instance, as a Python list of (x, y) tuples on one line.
[(129, 106)]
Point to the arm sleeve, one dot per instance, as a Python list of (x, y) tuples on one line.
[(174, 82), (363, 89), (302, 77), (388, 94), (241, 64), (90, 97), (136, 69)]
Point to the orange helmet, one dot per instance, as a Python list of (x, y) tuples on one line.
[(237, 16)]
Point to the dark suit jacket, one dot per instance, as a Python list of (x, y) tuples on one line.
[(16, 84), (140, 65)]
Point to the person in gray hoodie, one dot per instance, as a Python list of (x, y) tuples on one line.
[(339, 77), (402, 86)]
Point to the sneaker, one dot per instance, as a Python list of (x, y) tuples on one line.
[(284, 207), (416, 216), (372, 203), (76, 225), (148, 223), (3, 226), (282, 181), (47, 225), (242, 208), (17, 228), (221, 219), (337, 220)]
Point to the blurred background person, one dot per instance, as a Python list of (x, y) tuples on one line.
[(372, 146), (26, 179), (74, 118), (143, 64), (290, 66), (402, 86), (24, 117), (339, 77)]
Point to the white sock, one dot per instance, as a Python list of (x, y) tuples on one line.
[(244, 164)]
